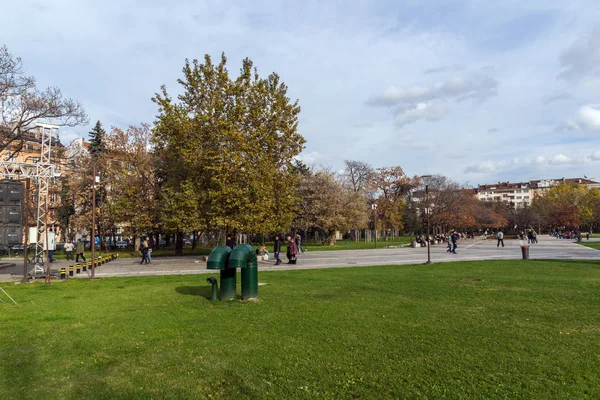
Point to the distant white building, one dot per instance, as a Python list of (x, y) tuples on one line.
[(521, 194)]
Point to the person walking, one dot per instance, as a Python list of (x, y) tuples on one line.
[(277, 250), (150, 246), (454, 239), (533, 236), (69, 247), (449, 244), (230, 242), (298, 243), (144, 251), (291, 250), (500, 239), (80, 251)]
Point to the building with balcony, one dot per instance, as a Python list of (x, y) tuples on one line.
[(521, 194)]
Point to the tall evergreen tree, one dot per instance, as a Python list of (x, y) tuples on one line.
[(97, 143)]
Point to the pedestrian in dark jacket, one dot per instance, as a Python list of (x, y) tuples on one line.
[(291, 250), (277, 250), (144, 249), (230, 242), (454, 239)]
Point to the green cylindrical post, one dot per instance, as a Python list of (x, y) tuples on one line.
[(215, 289), (250, 281), (218, 259), (227, 282), (244, 257)]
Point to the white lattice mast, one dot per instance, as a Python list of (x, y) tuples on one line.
[(41, 173), (47, 133)]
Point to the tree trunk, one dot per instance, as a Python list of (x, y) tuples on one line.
[(194, 240), (331, 239), (179, 244), (136, 243)]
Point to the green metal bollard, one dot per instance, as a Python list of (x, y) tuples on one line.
[(218, 259), (228, 282), (244, 257), (215, 288)]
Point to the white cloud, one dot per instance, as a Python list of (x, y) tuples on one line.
[(589, 116), (557, 160), (444, 69), (474, 85), (429, 112), (415, 103), (587, 119), (595, 156), (314, 158), (334, 58), (483, 167), (557, 97), (582, 58), (561, 159)]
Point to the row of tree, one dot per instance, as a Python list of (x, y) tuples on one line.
[(222, 156)]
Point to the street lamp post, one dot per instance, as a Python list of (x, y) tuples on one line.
[(428, 238), (374, 207), (93, 241), (427, 210)]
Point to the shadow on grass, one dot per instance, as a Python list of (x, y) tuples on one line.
[(204, 291)]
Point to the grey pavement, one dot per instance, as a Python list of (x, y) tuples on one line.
[(468, 249)]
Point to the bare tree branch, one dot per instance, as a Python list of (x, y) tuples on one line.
[(22, 104)]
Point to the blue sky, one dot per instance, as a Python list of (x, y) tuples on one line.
[(480, 91)]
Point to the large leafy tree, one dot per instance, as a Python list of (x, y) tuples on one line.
[(230, 142), (449, 204), (130, 180), (326, 204), (390, 187), (568, 205)]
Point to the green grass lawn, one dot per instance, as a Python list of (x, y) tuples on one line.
[(592, 245), (493, 330)]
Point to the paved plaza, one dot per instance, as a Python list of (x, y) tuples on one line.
[(468, 250)]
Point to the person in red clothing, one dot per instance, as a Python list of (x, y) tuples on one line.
[(291, 250)]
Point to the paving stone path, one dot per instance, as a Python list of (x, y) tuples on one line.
[(468, 250)]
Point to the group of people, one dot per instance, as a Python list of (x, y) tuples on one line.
[(452, 242), (293, 243), (531, 236), (294, 247), (70, 247), (567, 234)]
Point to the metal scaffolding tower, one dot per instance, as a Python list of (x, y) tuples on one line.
[(41, 173)]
